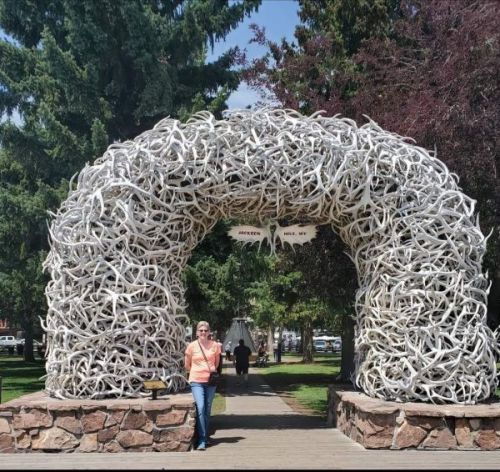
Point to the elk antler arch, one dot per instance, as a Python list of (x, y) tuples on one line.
[(120, 241)]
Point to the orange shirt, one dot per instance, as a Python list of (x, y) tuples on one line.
[(200, 371)]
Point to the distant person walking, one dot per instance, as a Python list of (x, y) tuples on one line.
[(228, 351), (201, 358), (241, 360)]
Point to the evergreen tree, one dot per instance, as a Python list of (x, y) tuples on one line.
[(218, 276), (81, 75)]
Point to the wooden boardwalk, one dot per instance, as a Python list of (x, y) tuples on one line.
[(260, 431)]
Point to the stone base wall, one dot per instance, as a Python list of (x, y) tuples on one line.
[(379, 424), (38, 423)]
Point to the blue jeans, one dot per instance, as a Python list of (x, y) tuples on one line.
[(203, 395)]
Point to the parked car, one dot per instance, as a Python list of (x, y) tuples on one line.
[(319, 345), (8, 343), (336, 345)]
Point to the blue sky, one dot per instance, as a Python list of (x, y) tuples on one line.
[(279, 18)]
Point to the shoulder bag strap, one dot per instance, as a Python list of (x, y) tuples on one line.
[(203, 352)]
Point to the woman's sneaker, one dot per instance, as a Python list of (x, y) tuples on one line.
[(201, 446)]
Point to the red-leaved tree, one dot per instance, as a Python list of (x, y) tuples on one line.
[(424, 69)]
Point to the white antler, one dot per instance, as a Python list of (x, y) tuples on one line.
[(120, 241)]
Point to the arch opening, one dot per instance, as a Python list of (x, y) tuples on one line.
[(120, 241)]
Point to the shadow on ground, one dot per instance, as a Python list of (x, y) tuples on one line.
[(267, 422)]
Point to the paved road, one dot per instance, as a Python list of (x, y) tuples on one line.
[(258, 430)]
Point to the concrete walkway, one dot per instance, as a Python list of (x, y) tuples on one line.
[(258, 430)]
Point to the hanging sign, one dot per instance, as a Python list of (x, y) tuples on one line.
[(249, 234), (295, 234)]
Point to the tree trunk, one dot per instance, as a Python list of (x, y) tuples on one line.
[(270, 340), (27, 325), (347, 360), (494, 301), (307, 344)]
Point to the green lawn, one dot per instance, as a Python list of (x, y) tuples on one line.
[(20, 377), (306, 383), (219, 404)]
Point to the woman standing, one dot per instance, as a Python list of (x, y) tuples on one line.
[(201, 358)]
